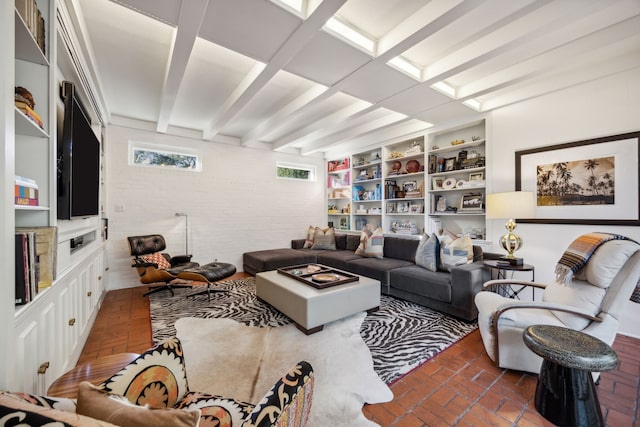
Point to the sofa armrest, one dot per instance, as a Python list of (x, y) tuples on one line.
[(491, 255), (466, 282), (289, 399), (297, 243)]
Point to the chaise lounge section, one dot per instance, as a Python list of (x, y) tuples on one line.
[(449, 292)]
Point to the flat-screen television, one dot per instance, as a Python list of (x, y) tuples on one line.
[(78, 162)]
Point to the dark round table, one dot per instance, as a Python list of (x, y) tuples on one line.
[(565, 393)]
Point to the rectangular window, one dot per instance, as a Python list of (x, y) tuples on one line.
[(295, 171)]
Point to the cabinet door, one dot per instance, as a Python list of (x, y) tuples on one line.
[(27, 356), (51, 363)]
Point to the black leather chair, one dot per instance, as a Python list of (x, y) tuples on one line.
[(155, 266)]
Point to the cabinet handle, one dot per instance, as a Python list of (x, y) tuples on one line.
[(89, 293), (43, 368), (72, 321), (99, 277)]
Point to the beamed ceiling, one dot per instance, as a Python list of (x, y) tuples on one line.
[(261, 73)]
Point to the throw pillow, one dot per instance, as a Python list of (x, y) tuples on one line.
[(100, 404), (324, 239), (455, 252), (308, 241), (157, 377), (157, 258), (428, 252), (371, 243)]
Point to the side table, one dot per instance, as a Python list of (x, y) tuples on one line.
[(501, 273), (565, 393), (95, 371)]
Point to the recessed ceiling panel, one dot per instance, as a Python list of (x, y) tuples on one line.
[(212, 74), (132, 57), (167, 11), (415, 100), (377, 17), (447, 113), (377, 81), (327, 60), (280, 91), (253, 28)]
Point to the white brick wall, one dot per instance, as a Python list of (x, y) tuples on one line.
[(235, 204)]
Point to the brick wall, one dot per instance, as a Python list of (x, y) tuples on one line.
[(236, 204)]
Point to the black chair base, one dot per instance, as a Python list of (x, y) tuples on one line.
[(166, 287)]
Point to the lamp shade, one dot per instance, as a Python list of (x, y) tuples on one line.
[(510, 205)]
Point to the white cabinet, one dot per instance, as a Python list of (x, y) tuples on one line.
[(50, 332), (456, 180)]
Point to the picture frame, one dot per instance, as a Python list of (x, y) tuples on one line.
[(591, 187), (436, 183), (416, 208), (152, 155), (476, 176), (391, 207), (471, 202), (450, 164), (409, 186), (403, 207)]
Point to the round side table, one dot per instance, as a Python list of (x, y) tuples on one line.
[(501, 273), (565, 393)]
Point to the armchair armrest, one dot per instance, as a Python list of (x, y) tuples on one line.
[(180, 259), (544, 306), (491, 285), (289, 399)]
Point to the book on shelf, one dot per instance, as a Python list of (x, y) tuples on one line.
[(25, 192), (27, 267), (33, 19), (29, 112), (45, 253)]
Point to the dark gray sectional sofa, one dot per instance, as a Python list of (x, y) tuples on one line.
[(449, 292)]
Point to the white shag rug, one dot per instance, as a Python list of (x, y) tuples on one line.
[(230, 359)]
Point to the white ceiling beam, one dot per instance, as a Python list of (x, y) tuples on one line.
[(258, 131), (294, 44), (429, 24), (327, 122), (360, 126), (548, 60), (184, 37)]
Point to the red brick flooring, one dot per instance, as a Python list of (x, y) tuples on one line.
[(460, 386)]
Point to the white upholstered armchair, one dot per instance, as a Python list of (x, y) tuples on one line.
[(591, 302)]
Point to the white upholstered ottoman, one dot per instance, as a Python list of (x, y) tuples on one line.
[(311, 308)]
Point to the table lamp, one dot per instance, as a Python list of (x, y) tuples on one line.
[(510, 205)]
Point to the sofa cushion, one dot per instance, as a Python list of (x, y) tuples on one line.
[(103, 405), (341, 241), (353, 241), (428, 252), (324, 239), (376, 268), (417, 280), (157, 258), (336, 259), (157, 377), (371, 243), (272, 259), (455, 252), (403, 248)]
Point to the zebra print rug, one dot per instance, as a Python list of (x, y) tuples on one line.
[(401, 335)]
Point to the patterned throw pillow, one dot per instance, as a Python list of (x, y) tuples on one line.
[(102, 405), (324, 239), (216, 410), (157, 377), (157, 258), (308, 241), (371, 243), (428, 252), (455, 252)]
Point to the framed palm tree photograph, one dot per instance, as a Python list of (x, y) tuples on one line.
[(595, 181)]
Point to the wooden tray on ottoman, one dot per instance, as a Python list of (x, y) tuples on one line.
[(318, 276)]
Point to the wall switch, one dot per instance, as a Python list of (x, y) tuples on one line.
[(119, 207)]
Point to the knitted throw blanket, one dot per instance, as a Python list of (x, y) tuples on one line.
[(579, 252)]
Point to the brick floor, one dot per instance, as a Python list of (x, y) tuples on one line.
[(460, 386)]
